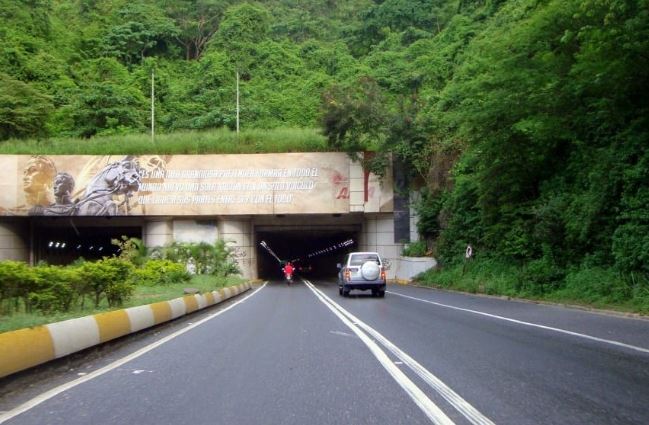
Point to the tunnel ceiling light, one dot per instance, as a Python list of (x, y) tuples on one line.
[(332, 248), (51, 244)]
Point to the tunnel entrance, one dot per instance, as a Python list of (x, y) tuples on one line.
[(64, 245), (314, 250)]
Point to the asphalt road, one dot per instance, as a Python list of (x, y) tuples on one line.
[(305, 355)]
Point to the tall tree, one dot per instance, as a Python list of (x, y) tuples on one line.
[(107, 101), (198, 21), (243, 27), (354, 119), (396, 16), (23, 109), (141, 29)]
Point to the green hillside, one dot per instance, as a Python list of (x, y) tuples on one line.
[(525, 122)]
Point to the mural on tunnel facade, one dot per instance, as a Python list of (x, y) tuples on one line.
[(291, 183)]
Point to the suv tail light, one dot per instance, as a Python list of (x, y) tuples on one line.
[(348, 274), (383, 274)]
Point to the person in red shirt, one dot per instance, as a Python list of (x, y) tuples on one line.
[(288, 270)]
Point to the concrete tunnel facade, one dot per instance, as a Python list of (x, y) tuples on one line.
[(305, 206)]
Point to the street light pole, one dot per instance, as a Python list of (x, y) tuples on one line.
[(152, 105), (237, 102)]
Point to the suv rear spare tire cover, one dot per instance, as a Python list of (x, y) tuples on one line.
[(370, 270)]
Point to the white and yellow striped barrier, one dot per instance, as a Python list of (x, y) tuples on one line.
[(24, 348)]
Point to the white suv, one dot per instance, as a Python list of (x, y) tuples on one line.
[(363, 271)]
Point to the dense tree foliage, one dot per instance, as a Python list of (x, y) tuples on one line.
[(525, 122)]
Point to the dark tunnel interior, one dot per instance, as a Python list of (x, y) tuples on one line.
[(64, 245), (314, 252)]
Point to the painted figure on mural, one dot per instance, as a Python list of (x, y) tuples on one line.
[(37, 180), (110, 190), (63, 203), (152, 165), (63, 187), (38, 177), (104, 186)]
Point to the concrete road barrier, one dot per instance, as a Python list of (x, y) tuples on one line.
[(25, 348)]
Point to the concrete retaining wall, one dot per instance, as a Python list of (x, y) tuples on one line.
[(409, 267), (24, 348)]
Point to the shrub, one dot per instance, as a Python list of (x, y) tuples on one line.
[(43, 301), (415, 249), (131, 249), (160, 272), (81, 286), (17, 281), (596, 285), (539, 277), (118, 292), (58, 288), (11, 273), (428, 209), (216, 259), (225, 264), (110, 277), (482, 275), (631, 248), (121, 287), (640, 294)]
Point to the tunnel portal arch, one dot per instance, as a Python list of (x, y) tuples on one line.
[(314, 250)]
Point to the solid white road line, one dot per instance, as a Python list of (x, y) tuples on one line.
[(429, 408), (461, 405), (68, 385), (534, 325)]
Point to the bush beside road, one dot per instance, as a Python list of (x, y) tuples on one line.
[(141, 296), (592, 287)]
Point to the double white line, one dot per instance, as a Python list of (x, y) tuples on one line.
[(430, 409)]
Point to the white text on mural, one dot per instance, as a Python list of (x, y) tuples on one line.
[(270, 186), (233, 173)]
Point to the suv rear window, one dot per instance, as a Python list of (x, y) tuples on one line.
[(360, 259)]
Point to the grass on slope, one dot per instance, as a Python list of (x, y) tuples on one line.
[(220, 141)]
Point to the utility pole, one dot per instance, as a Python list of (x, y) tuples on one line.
[(237, 102), (152, 105)]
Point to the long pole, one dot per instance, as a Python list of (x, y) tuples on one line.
[(152, 105), (237, 102), (270, 251)]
